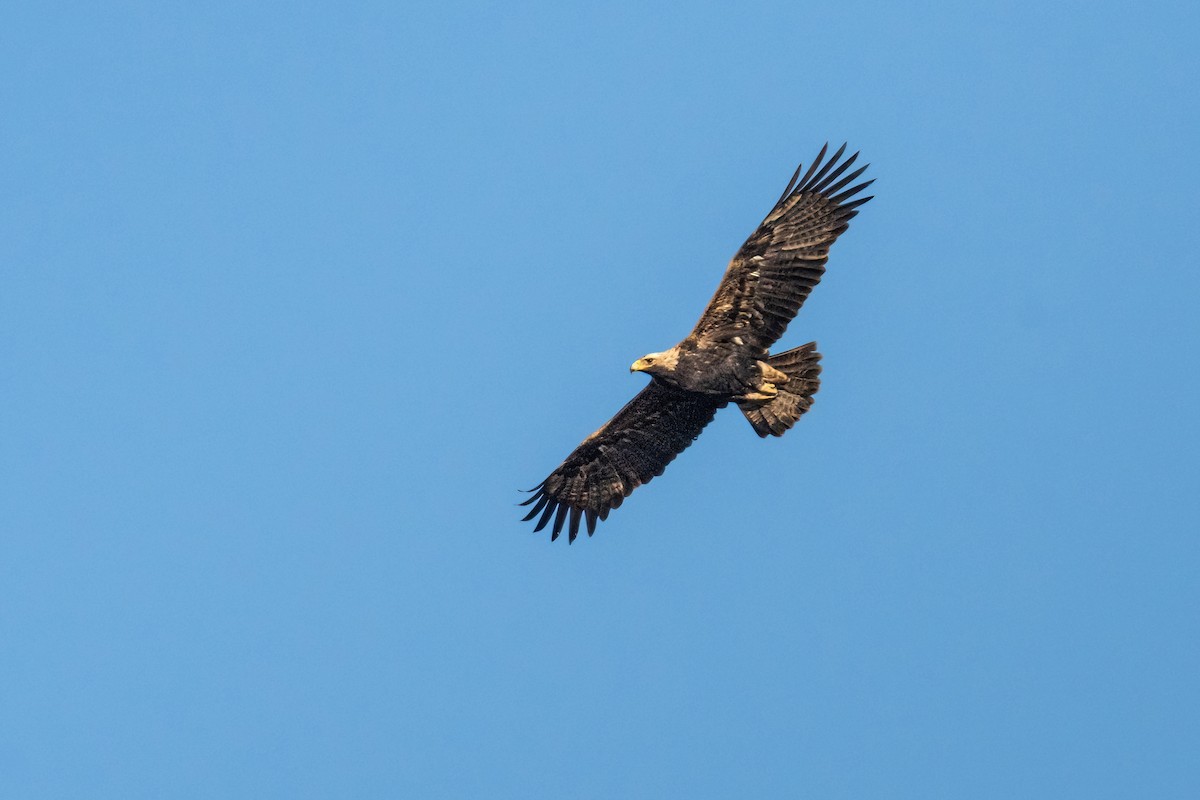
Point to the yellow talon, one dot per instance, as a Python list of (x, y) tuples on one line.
[(769, 373), (764, 393)]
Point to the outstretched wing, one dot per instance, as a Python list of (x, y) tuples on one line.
[(632, 448), (773, 272)]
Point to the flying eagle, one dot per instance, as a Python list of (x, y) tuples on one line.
[(724, 359)]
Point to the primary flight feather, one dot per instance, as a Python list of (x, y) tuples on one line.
[(724, 359)]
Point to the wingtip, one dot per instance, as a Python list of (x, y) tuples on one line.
[(537, 509), (791, 184), (545, 518), (813, 180), (559, 517)]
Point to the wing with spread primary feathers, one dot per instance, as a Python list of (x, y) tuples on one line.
[(773, 272), (632, 448)]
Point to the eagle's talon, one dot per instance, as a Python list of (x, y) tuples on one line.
[(771, 374), (765, 392)]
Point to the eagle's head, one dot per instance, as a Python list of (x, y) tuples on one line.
[(657, 363)]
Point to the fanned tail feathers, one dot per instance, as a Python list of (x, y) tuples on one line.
[(776, 417)]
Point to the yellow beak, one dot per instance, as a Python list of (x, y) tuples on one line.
[(639, 366)]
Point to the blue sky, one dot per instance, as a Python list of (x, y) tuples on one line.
[(296, 297)]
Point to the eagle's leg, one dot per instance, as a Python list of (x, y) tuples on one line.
[(773, 375), (766, 391), (763, 394), (768, 386)]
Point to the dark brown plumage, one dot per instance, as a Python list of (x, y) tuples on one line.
[(724, 359)]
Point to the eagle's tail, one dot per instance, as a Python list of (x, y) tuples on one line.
[(803, 368)]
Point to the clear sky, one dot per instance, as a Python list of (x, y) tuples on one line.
[(294, 298)]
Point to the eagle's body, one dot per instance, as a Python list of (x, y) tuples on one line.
[(720, 369), (724, 359)]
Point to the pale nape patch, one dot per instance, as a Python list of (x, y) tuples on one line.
[(667, 358)]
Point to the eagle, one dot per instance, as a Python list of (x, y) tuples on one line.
[(726, 358)]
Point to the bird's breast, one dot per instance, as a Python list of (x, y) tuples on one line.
[(713, 371)]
